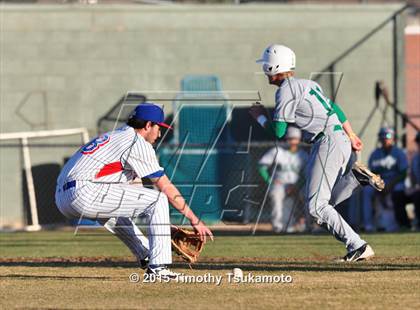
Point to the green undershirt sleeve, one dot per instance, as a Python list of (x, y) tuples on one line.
[(280, 129), (340, 114), (263, 170)]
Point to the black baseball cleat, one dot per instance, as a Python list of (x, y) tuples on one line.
[(365, 252), (144, 263), (366, 177)]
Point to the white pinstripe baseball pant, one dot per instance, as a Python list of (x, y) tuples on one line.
[(102, 201)]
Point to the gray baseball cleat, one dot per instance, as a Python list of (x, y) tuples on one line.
[(365, 252), (366, 177)]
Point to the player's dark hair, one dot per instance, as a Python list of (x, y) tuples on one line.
[(137, 123)]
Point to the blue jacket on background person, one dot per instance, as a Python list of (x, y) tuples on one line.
[(391, 163)]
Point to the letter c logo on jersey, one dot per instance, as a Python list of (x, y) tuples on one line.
[(95, 144)]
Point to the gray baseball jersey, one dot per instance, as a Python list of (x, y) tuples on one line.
[(329, 182), (303, 103)]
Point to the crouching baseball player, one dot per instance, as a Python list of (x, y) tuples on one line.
[(331, 176), (96, 183)]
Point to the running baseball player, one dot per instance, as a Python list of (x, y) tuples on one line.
[(96, 183), (330, 177), (288, 162)]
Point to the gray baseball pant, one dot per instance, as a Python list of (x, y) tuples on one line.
[(330, 182)]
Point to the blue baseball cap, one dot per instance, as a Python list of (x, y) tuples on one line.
[(150, 112), (386, 133)]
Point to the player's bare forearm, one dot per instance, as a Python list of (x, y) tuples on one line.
[(178, 202), (348, 129), (175, 197), (356, 143)]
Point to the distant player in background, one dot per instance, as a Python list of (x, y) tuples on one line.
[(97, 183), (390, 162), (331, 178), (415, 181), (289, 162)]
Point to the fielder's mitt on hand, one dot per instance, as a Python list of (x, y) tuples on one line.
[(186, 243)]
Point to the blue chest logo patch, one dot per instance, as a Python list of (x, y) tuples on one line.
[(95, 144)]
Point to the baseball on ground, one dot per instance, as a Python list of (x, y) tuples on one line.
[(237, 272)]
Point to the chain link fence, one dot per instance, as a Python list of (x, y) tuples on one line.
[(211, 155)]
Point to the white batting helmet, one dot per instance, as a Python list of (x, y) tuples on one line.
[(293, 132), (277, 59)]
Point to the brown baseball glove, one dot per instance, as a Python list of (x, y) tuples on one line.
[(186, 243)]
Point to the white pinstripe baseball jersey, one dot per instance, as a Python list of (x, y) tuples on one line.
[(123, 203), (114, 157), (94, 184)]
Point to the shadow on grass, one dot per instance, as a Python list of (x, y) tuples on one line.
[(308, 266), (36, 277), (230, 264)]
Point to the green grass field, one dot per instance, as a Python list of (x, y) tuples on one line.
[(57, 269)]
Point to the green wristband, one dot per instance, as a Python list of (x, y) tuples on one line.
[(280, 129), (263, 170)]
